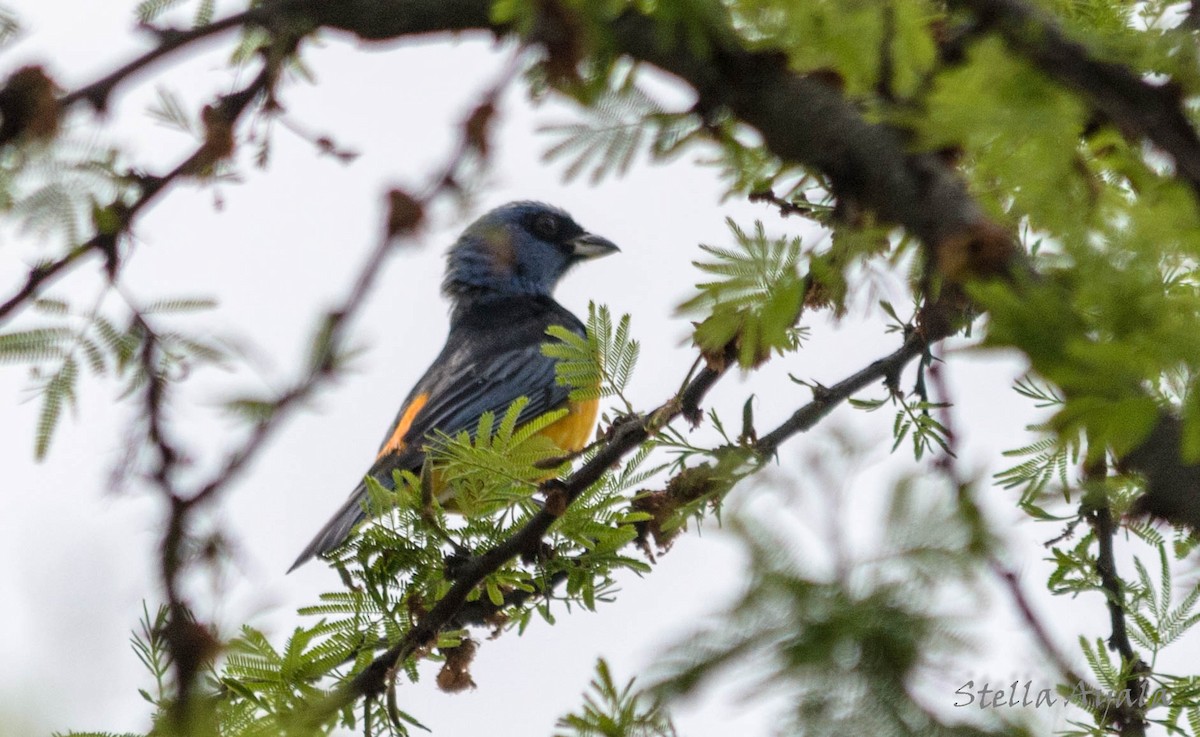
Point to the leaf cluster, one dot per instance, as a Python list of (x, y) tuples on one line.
[(620, 122), (71, 340), (862, 628), (612, 710), (752, 305), (598, 365)]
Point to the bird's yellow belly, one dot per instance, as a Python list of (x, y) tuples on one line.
[(572, 433)]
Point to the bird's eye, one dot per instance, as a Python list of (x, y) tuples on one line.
[(545, 226)]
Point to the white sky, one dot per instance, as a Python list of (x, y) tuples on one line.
[(286, 242)]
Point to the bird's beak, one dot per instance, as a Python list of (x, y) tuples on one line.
[(589, 246)]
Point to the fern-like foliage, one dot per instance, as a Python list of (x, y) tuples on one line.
[(150, 646), (73, 340), (168, 110), (914, 420), (10, 26), (599, 365), (609, 710), (497, 464), (148, 11), (1047, 459), (792, 625), (754, 301), (594, 533), (1158, 620), (55, 192), (205, 12), (1101, 664), (615, 128)]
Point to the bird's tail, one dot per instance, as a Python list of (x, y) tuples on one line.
[(337, 530)]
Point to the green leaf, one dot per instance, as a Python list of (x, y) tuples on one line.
[(601, 363), (754, 305), (59, 390), (34, 345)]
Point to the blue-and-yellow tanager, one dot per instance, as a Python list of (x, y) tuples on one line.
[(500, 277)]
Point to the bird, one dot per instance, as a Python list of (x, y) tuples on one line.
[(500, 278)]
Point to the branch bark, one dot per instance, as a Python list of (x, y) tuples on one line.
[(801, 119), (623, 438), (1137, 107), (170, 40), (229, 108), (1131, 716)]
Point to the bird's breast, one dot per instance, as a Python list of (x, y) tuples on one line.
[(573, 431)]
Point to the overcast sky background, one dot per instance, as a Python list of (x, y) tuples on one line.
[(283, 246)]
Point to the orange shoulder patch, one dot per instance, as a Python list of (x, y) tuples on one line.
[(396, 442)]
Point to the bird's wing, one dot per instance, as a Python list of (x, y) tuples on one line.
[(450, 400), (461, 385)]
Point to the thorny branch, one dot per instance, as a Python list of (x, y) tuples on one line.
[(623, 438), (824, 401), (169, 40), (188, 642), (226, 112)]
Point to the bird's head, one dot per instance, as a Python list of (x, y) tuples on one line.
[(522, 248)]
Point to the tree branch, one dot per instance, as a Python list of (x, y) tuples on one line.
[(228, 109), (170, 40), (623, 438), (43, 273), (801, 119), (1137, 107), (825, 399), (1129, 714)]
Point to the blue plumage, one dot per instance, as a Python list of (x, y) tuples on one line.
[(500, 275), (522, 248)]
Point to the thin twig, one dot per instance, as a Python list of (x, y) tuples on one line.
[(230, 107), (42, 273), (827, 398), (815, 213), (1138, 107), (237, 461), (1040, 633), (622, 439), (170, 40), (1130, 713)]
